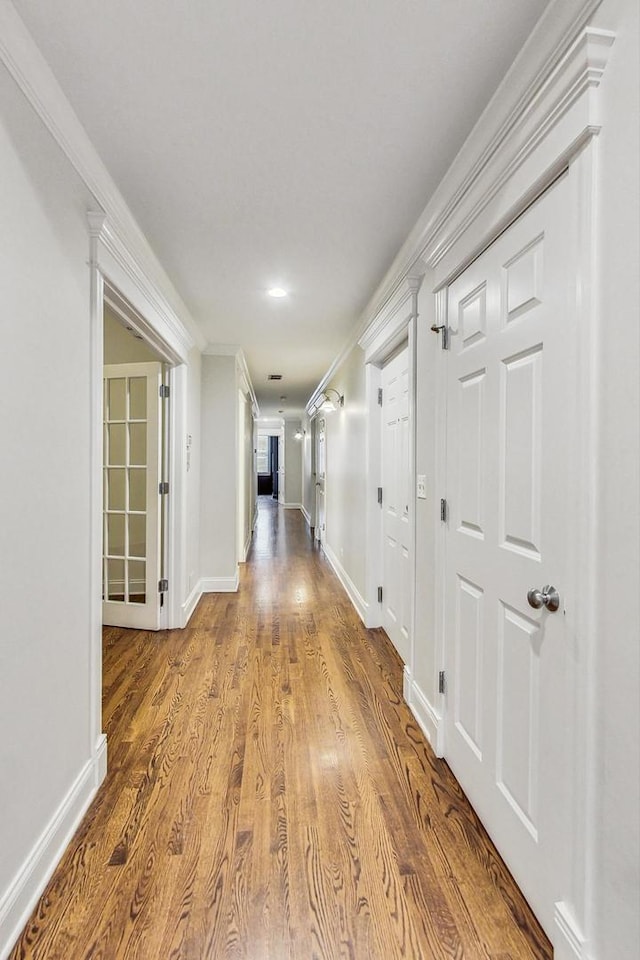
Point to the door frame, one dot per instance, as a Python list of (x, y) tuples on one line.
[(317, 528), (115, 275), (508, 184), (395, 326)]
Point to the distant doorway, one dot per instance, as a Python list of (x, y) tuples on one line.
[(268, 462)]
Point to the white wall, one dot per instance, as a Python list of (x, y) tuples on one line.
[(292, 464), (218, 528), (44, 500), (617, 892), (346, 487)]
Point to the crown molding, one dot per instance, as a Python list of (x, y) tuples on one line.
[(125, 276), (531, 89), (27, 66)]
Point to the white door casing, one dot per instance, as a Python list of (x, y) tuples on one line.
[(132, 502), (396, 503), (507, 497), (321, 471)]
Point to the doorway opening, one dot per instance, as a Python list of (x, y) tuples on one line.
[(269, 462), (135, 434)]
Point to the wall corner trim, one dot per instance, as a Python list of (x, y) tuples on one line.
[(362, 607), (27, 886)]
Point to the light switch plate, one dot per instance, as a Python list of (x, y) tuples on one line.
[(421, 491)]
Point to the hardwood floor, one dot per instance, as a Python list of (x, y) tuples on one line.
[(270, 796)]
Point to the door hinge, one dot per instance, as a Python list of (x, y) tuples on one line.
[(163, 486), (163, 585), (443, 510), (379, 494), (164, 391), (442, 682), (379, 594), (444, 330), (379, 396)]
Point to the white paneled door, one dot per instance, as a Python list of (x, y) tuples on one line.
[(396, 487), (321, 472), (132, 502), (509, 365)]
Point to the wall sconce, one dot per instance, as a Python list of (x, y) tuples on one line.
[(329, 403), (298, 435)]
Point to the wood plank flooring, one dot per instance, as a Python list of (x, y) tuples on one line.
[(270, 796)]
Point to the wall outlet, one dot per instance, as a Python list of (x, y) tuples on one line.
[(421, 487)]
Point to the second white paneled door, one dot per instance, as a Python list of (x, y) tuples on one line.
[(396, 503), (132, 501), (509, 376)]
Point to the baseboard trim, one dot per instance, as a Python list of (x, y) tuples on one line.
[(427, 717), (352, 591), (292, 506), (220, 584), (18, 902), (306, 514), (191, 603)]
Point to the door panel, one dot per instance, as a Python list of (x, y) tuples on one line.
[(396, 487), (131, 528), (321, 471), (508, 367)]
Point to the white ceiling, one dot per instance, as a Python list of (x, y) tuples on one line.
[(288, 142)]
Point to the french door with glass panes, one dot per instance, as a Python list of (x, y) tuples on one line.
[(131, 563)]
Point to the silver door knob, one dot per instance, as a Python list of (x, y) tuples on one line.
[(547, 597)]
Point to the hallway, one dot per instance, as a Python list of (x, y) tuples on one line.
[(269, 795)]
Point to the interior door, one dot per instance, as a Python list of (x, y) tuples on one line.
[(396, 579), (132, 502), (507, 477), (321, 471)]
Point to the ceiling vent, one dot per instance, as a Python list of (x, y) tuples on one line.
[(274, 376)]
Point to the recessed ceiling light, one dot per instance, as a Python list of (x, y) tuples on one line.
[(277, 292)]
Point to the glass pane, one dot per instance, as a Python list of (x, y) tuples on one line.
[(138, 489), (137, 581), (117, 399), (138, 398), (116, 489), (137, 535), (115, 579), (117, 452), (114, 546), (138, 443)]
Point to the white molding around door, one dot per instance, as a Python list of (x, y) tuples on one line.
[(387, 333)]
